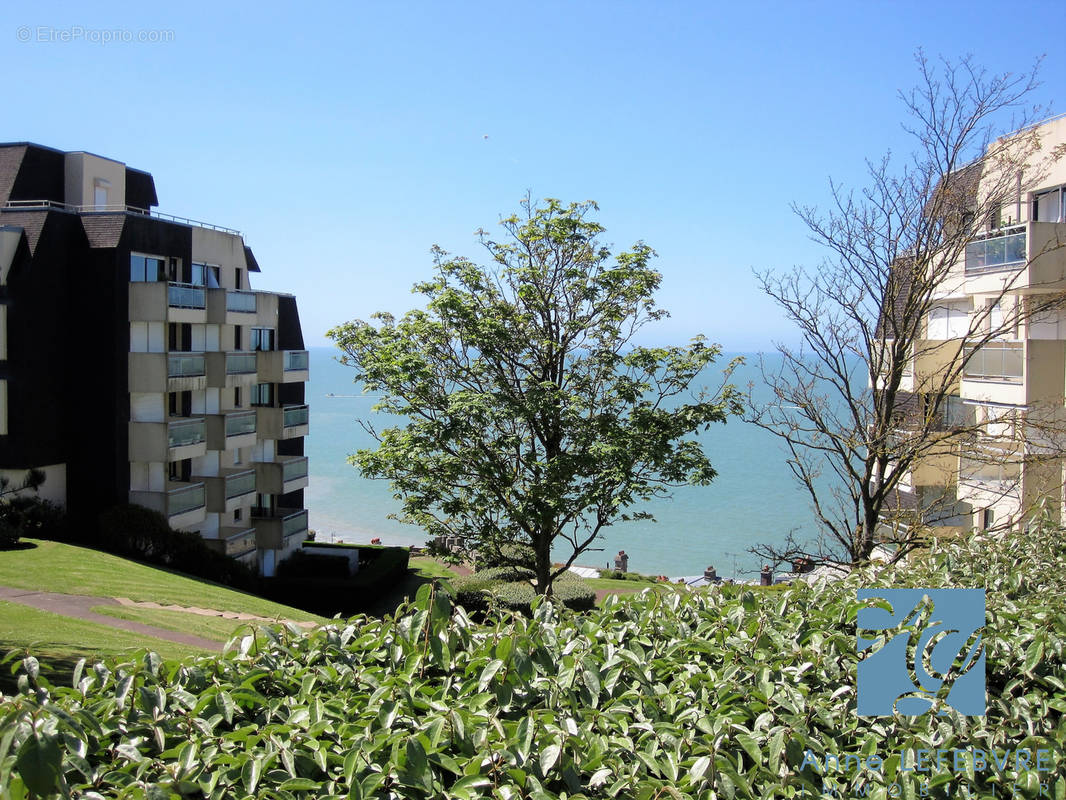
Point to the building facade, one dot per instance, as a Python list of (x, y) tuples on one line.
[(998, 325), (138, 365)]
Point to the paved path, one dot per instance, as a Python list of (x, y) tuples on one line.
[(80, 607)]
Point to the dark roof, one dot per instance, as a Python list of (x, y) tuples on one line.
[(103, 230), (32, 222), (140, 189), (10, 161), (249, 257)]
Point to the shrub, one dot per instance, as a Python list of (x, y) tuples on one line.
[(509, 588), (663, 694), (140, 533), (302, 564)]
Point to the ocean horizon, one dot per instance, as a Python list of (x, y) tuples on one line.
[(753, 500)]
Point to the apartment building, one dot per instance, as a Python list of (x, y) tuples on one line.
[(137, 364), (999, 321)]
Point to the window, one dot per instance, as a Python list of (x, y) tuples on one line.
[(988, 518), (204, 275), (237, 337), (180, 470), (147, 268), (236, 396), (1048, 206), (237, 278), (180, 336), (180, 404), (262, 394), (100, 192), (237, 514), (262, 339)]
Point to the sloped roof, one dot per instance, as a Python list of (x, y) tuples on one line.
[(103, 230)]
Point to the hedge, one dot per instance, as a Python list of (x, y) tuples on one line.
[(663, 695)]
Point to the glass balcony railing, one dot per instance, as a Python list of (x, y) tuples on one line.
[(185, 365), (182, 433), (186, 295), (291, 416), (995, 361), (993, 470), (291, 470), (240, 301), (294, 523), (295, 360), (240, 543), (240, 484), (185, 499), (240, 422), (240, 363), (996, 253)]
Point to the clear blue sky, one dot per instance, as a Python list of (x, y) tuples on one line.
[(345, 139)]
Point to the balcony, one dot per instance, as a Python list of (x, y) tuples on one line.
[(283, 366), (183, 504), (1003, 250), (226, 370), (176, 439), (158, 301), (166, 372), (234, 542), (231, 307), (282, 475), (274, 530), (1002, 362), (230, 489), (286, 422), (1026, 258), (186, 295), (231, 430)]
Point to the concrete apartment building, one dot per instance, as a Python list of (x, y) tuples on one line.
[(1012, 388), (138, 365)]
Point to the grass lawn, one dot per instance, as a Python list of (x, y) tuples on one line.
[(431, 568), (56, 567), (58, 642), (217, 628)]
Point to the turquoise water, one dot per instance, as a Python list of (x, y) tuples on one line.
[(754, 499)]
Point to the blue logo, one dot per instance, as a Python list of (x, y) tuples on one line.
[(918, 646)]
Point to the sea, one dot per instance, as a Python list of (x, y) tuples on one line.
[(754, 499)]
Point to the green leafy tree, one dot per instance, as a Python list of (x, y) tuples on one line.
[(534, 419)]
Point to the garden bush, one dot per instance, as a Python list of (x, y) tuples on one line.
[(509, 588), (662, 695), (140, 533), (302, 564)]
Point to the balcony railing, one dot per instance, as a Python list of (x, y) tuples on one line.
[(240, 363), (241, 301), (995, 470), (294, 523), (240, 423), (185, 499), (1000, 252), (293, 469), (182, 433), (185, 365), (995, 361), (240, 483), (295, 360), (186, 295), (292, 416)]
